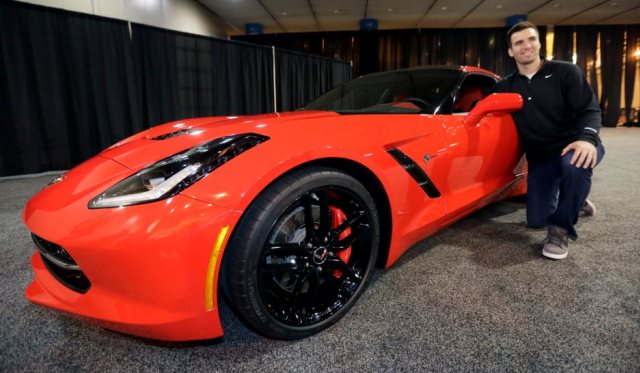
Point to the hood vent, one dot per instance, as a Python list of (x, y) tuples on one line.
[(181, 132)]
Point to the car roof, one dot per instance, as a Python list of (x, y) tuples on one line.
[(460, 68)]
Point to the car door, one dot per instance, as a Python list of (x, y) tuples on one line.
[(482, 157)]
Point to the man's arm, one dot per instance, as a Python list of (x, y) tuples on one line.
[(582, 101)]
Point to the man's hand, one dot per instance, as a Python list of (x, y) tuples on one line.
[(585, 154)]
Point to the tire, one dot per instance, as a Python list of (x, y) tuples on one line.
[(302, 253)]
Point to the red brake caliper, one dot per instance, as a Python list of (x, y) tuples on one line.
[(338, 217)]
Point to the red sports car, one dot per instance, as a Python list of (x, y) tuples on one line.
[(285, 213)]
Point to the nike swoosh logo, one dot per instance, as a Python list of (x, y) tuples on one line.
[(548, 76)]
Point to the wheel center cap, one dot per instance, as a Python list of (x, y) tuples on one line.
[(320, 255)]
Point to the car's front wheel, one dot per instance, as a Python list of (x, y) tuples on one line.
[(302, 253)]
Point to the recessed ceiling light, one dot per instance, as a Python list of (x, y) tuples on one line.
[(444, 8), (557, 5), (499, 6), (336, 11), (614, 3), (284, 13), (390, 10)]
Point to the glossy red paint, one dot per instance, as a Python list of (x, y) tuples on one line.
[(148, 263)]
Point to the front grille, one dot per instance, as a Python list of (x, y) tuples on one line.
[(61, 265)]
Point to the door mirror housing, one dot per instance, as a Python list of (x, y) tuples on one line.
[(495, 103)]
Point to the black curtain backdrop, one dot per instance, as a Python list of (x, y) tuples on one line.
[(611, 49), (201, 76), (452, 46), (563, 43), (342, 45), (301, 78), (587, 45), (633, 44), (72, 84), (368, 52), (157, 68), (59, 108), (383, 50), (400, 49)]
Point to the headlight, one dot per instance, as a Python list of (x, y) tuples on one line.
[(171, 175)]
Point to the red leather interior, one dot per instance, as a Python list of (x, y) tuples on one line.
[(468, 97)]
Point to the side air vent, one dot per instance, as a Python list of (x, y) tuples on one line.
[(416, 172)]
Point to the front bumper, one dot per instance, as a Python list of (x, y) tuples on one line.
[(152, 268)]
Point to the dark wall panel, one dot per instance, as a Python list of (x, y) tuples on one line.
[(67, 87), (72, 84)]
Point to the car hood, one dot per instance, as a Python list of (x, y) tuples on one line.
[(168, 139)]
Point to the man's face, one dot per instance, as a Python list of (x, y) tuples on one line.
[(525, 46)]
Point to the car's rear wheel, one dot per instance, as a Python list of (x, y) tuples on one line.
[(302, 253)]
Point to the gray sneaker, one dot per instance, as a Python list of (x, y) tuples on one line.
[(556, 245), (588, 209)]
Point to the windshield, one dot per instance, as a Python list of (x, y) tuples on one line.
[(399, 92)]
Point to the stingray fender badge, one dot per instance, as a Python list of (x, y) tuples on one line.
[(426, 158)]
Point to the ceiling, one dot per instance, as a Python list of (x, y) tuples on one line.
[(280, 16)]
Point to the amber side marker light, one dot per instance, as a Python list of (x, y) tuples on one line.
[(211, 270)]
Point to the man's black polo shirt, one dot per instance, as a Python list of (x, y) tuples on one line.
[(559, 108)]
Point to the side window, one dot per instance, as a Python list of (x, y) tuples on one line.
[(473, 89)]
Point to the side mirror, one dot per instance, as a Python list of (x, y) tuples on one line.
[(494, 103)]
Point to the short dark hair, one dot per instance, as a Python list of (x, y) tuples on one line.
[(519, 27)]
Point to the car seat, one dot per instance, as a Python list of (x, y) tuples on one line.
[(468, 98)]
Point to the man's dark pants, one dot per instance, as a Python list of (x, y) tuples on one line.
[(556, 191)]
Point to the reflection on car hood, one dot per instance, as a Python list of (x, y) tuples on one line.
[(165, 140)]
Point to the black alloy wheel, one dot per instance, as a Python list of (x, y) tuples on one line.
[(302, 253)]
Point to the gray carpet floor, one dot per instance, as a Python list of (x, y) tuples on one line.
[(475, 297)]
